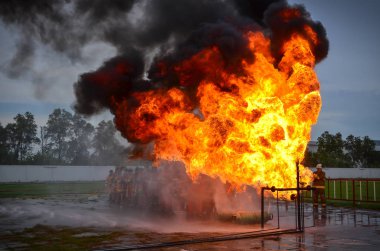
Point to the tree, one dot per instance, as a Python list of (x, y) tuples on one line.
[(44, 156), (10, 131), (310, 159), (330, 150), (58, 131), (359, 150), (21, 135), (107, 149), (4, 153), (374, 159), (80, 141)]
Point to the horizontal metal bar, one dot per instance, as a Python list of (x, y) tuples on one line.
[(287, 189), (356, 179)]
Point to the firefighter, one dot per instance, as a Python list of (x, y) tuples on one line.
[(113, 190), (152, 190), (135, 187), (109, 183), (118, 185), (128, 187), (123, 181), (319, 177), (139, 188)]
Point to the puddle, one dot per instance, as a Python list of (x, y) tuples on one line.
[(332, 229)]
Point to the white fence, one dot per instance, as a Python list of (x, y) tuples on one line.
[(36, 173), (46, 173)]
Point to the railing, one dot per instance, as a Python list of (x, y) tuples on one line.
[(355, 190)]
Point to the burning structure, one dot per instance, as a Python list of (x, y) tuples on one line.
[(231, 92), (168, 191)]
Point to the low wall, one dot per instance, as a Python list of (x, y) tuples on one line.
[(26, 173), (49, 173)]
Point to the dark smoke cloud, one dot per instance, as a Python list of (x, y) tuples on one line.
[(21, 61), (117, 78), (184, 28), (255, 9), (99, 10), (281, 29), (46, 21), (64, 25), (167, 19), (228, 38), (173, 30)]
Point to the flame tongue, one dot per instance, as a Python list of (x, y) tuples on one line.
[(233, 101), (252, 134)]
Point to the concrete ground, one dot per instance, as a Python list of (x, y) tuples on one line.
[(333, 229)]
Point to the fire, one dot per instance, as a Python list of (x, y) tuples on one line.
[(232, 96), (248, 127)]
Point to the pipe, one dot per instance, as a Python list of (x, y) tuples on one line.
[(262, 207), (278, 213), (274, 189), (299, 214), (298, 198)]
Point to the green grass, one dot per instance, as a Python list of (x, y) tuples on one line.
[(38, 190), (47, 238)]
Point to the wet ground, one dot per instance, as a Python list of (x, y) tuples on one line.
[(92, 218)]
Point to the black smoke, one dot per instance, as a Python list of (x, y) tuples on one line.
[(149, 35), (117, 78), (281, 29)]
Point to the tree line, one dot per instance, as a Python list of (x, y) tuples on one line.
[(66, 139), (333, 151)]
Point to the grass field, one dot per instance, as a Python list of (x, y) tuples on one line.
[(47, 238), (40, 190)]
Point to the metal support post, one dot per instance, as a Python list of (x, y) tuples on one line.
[(298, 198), (262, 208)]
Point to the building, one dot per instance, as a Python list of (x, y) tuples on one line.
[(312, 146), (377, 145)]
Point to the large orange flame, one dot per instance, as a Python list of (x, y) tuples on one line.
[(251, 135)]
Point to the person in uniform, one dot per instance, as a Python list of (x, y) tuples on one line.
[(119, 186), (109, 183), (319, 177), (124, 180), (128, 187)]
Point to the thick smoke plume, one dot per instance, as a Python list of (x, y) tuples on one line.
[(185, 26), (174, 32)]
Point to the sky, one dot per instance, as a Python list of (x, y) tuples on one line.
[(349, 76)]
